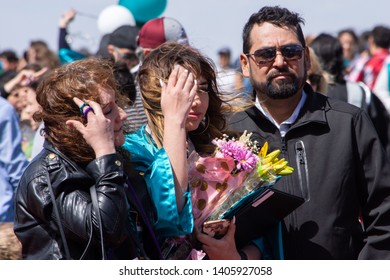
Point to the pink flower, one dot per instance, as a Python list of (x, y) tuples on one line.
[(246, 160)]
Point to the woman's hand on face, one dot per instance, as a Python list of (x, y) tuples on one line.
[(98, 132), (178, 94), (220, 249)]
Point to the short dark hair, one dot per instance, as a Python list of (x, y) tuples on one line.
[(381, 36), (9, 55), (277, 16)]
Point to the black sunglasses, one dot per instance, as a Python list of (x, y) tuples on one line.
[(266, 55)]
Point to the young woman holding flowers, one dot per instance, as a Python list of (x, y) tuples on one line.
[(185, 113)]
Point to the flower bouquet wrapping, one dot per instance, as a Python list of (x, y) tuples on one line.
[(238, 168)]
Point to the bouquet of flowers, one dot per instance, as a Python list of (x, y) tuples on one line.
[(237, 168)]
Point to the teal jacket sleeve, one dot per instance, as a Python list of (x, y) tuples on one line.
[(68, 56), (155, 165)]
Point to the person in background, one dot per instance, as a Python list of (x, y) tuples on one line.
[(39, 53), (381, 40), (374, 70), (363, 57), (340, 166), (349, 42), (151, 35), (65, 52), (315, 75), (228, 78), (382, 84), (156, 32), (13, 162), (329, 51), (22, 77), (20, 93), (122, 45), (84, 212), (185, 113), (27, 123), (12, 159), (8, 64)]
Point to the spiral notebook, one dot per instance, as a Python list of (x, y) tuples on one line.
[(257, 213)]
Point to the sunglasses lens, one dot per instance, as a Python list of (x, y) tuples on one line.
[(289, 52), (265, 55), (293, 52)]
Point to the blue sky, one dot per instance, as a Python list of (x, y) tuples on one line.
[(210, 24)]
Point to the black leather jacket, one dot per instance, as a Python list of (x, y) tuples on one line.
[(36, 224)]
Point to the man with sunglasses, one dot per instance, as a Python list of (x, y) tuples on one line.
[(122, 45), (340, 166)]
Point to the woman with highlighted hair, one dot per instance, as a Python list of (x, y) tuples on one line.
[(185, 113), (74, 200)]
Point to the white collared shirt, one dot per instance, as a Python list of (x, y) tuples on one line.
[(284, 126)]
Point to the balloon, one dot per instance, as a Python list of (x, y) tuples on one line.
[(113, 17), (144, 10)]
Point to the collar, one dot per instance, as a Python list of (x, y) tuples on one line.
[(285, 125), (312, 109)]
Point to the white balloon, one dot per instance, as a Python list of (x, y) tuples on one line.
[(113, 17)]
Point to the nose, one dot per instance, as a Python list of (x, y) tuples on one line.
[(279, 59), (197, 101)]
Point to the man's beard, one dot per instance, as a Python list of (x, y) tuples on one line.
[(279, 89)]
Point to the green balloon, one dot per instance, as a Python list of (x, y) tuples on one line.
[(144, 10)]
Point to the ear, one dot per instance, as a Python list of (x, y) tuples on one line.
[(307, 59), (245, 67)]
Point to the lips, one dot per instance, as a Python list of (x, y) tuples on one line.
[(194, 116), (281, 75)]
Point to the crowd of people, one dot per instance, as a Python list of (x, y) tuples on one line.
[(94, 147)]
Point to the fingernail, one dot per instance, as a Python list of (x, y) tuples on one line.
[(161, 83), (196, 82)]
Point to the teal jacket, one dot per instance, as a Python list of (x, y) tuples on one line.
[(158, 175)]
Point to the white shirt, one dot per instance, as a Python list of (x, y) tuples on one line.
[(284, 126)]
